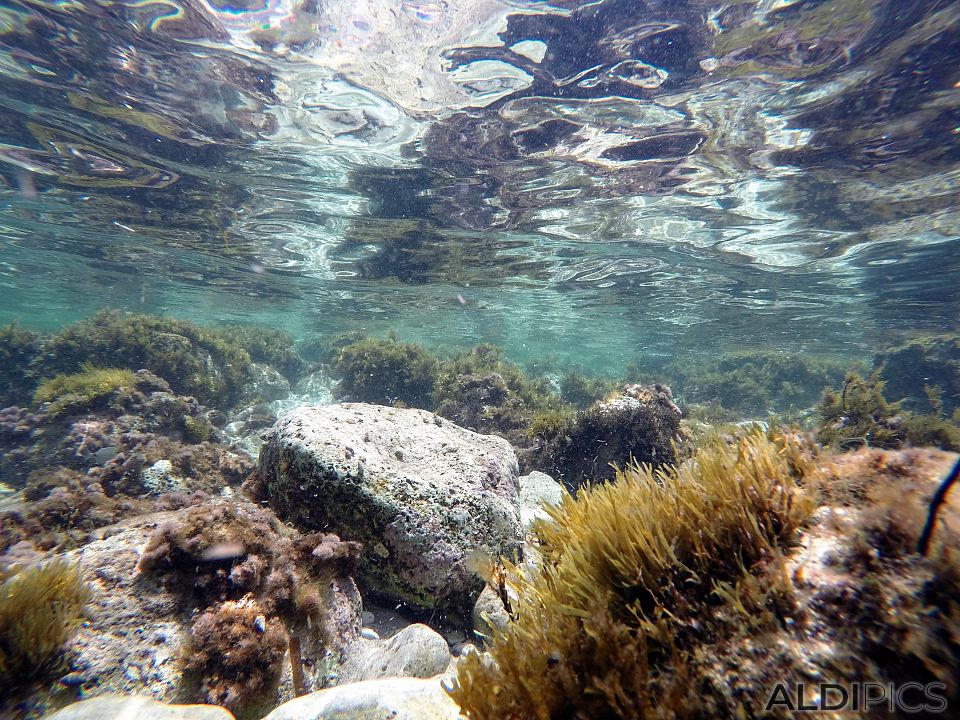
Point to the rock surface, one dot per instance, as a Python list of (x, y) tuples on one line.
[(119, 707), (139, 620), (394, 698), (136, 627), (416, 651), (537, 489), (420, 492)]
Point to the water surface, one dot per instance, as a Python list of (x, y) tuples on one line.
[(590, 181)]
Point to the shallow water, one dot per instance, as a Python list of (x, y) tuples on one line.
[(593, 181), (742, 201)]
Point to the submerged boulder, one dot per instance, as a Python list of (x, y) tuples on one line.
[(420, 493), (641, 424), (416, 651)]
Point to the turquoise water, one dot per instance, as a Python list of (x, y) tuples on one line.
[(685, 226), (594, 181)]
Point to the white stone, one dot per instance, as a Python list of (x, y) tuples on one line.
[(120, 707), (394, 698)]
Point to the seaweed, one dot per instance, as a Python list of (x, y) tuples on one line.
[(639, 424), (18, 348), (386, 372), (582, 391), (259, 583), (40, 606), (859, 414), (237, 651), (632, 574), (751, 382), (79, 391), (194, 360), (266, 345), (481, 390), (909, 367)]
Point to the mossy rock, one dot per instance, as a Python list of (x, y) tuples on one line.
[(481, 390), (266, 345), (923, 373), (582, 391), (641, 424), (18, 348), (194, 360), (386, 372), (79, 391)]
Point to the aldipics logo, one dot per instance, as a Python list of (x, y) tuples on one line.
[(909, 697)]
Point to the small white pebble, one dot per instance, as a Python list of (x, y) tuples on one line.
[(369, 634)]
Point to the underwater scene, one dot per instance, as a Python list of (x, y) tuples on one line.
[(479, 359)]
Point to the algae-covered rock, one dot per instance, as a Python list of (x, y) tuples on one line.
[(18, 348), (121, 707), (923, 372), (197, 603), (386, 371), (419, 492), (195, 361), (858, 414), (641, 424), (394, 698)]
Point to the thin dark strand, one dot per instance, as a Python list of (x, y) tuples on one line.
[(938, 499)]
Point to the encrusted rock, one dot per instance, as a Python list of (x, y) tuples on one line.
[(141, 613), (641, 424), (419, 512)]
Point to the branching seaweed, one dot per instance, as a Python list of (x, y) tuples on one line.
[(630, 573), (39, 608)]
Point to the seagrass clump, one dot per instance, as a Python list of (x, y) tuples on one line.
[(635, 575), (40, 607)]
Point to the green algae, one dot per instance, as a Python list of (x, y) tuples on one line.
[(40, 606), (78, 391)]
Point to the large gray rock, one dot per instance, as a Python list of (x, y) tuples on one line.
[(415, 651), (394, 698), (120, 707), (421, 493)]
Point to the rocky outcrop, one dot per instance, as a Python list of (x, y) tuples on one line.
[(641, 425), (419, 492)]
